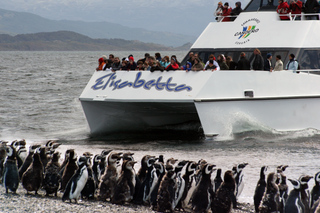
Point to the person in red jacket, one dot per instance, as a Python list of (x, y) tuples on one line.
[(173, 65), (296, 8), (283, 9), (226, 12)]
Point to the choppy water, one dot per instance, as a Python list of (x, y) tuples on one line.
[(39, 101)]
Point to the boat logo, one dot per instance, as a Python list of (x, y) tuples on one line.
[(247, 30), (110, 80)]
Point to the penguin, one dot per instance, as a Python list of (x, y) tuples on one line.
[(145, 188), (22, 152), (65, 161), (189, 172), (32, 178), (180, 183), (161, 159), (77, 181), (166, 192), (128, 156), (238, 176), (28, 160), (70, 168), (109, 179), (44, 151), (102, 164), (294, 203), (283, 190), (3, 156), (203, 193), (125, 187), (160, 169), (11, 174), (225, 198), (270, 199), (217, 180), (315, 192), (143, 169), (52, 176), (16, 144), (304, 192), (96, 169), (89, 189), (260, 188)]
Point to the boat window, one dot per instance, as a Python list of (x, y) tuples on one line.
[(310, 59), (261, 5)]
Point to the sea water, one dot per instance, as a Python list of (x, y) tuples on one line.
[(39, 100)]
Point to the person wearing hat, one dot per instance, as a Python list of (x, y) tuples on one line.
[(101, 64), (218, 12), (267, 63), (131, 65), (236, 11), (226, 12)]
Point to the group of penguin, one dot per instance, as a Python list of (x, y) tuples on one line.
[(271, 195), (166, 185)]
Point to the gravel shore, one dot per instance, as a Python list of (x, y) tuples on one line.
[(21, 202)]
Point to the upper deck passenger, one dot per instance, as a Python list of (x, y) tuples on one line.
[(101, 64), (283, 9), (226, 12), (236, 11), (312, 6), (218, 12)]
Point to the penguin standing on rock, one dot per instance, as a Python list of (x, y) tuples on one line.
[(294, 203), (304, 192), (270, 199), (125, 187), (238, 176), (315, 192), (90, 187), (188, 178), (225, 198), (11, 175), (28, 160), (154, 193), (144, 168), (52, 176), (70, 168), (96, 169), (166, 192), (77, 181), (283, 188), (109, 179), (33, 177), (203, 194), (3, 155), (260, 188), (217, 180), (103, 160)]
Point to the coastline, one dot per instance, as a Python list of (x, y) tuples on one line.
[(21, 202)]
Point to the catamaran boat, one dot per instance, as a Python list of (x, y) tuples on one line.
[(221, 101)]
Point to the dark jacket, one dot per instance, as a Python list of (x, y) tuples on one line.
[(116, 66), (132, 66), (243, 64), (258, 62), (267, 66), (311, 6)]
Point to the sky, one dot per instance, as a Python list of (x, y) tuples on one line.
[(188, 17)]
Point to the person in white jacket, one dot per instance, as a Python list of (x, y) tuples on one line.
[(218, 12)]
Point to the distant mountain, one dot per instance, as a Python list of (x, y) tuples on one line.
[(21, 23), (71, 41)]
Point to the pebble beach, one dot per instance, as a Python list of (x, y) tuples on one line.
[(21, 202)]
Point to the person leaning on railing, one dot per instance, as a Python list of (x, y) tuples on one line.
[(226, 12), (311, 6), (283, 9), (296, 9)]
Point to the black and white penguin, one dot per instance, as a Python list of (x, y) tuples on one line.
[(70, 168), (11, 174), (294, 203), (96, 169), (188, 175), (89, 189), (145, 188), (238, 176), (166, 192), (52, 176), (28, 159), (110, 177), (160, 170), (103, 161), (3, 156), (315, 192), (32, 178), (225, 198), (77, 181), (270, 199), (260, 188), (180, 170), (305, 198), (125, 187), (203, 194), (22, 151), (16, 144), (217, 180), (283, 189)]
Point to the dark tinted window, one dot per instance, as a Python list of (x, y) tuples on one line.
[(310, 59)]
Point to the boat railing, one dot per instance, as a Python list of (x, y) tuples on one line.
[(292, 17)]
